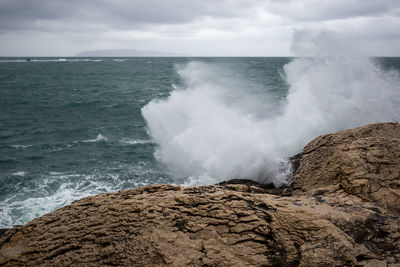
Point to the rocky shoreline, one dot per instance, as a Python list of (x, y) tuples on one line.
[(341, 209)]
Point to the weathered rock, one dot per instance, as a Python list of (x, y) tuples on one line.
[(233, 224), (364, 162)]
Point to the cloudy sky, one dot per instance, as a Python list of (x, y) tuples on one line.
[(195, 27)]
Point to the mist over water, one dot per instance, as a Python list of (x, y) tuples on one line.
[(218, 127)]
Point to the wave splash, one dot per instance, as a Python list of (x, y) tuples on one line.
[(99, 138), (212, 130)]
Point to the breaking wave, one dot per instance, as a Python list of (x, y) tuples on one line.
[(214, 128)]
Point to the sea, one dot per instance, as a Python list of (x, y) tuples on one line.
[(73, 127)]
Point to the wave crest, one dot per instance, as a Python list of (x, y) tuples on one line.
[(212, 129)]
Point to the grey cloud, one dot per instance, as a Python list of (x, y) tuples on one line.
[(117, 14), (377, 29), (17, 14), (197, 27), (314, 10)]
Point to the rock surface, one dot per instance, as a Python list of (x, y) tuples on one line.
[(341, 210), (364, 162)]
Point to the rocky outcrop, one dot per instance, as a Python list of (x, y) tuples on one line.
[(364, 162), (328, 217)]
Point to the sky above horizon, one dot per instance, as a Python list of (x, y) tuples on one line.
[(199, 27)]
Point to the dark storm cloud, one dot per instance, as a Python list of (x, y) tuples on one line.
[(118, 14), (317, 10)]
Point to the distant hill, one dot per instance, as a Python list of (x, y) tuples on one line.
[(126, 53)]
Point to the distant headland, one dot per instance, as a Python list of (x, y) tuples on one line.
[(127, 53)]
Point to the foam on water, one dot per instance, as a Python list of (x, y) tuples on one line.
[(213, 129), (57, 189), (21, 173), (135, 141), (15, 212), (99, 138), (51, 60), (21, 146)]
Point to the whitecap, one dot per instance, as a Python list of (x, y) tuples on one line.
[(56, 173), (21, 173), (13, 60), (21, 146), (135, 141), (99, 138)]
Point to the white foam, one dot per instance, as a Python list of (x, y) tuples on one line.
[(56, 189), (209, 131), (99, 138), (21, 173), (50, 60), (20, 212), (13, 60), (205, 133), (56, 173), (21, 146), (135, 141)]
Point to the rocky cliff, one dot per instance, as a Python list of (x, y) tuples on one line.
[(342, 209)]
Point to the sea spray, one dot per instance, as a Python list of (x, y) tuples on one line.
[(209, 131), (331, 94)]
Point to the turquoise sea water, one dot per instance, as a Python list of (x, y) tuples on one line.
[(72, 127)]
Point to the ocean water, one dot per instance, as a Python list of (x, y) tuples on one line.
[(72, 127)]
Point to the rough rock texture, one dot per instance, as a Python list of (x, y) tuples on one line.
[(364, 162), (325, 219)]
